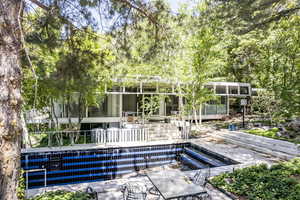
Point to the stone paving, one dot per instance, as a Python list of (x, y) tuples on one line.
[(111, 188)]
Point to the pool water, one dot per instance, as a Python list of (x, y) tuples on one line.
[(78, 166)]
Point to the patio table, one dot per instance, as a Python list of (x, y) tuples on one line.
[(174, 184)]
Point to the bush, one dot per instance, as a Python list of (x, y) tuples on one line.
[(62, 195), (272, 133), (280, 182), (21, 186)]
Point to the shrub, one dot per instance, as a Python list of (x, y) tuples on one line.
[(62, 195), (272, 133), (280, 182), (21, 186)]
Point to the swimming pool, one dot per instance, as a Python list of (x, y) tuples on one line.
[(77, 166)]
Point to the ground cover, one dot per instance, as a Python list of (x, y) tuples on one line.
[(58, 139), (271, 133), (280, 181), (63, 195)]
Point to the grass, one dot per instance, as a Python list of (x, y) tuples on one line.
[(279, 182), (271, 133)]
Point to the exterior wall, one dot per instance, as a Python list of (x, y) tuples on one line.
[(124, 99)]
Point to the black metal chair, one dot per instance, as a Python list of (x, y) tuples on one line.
[(154, 192), (94, 191), (201, 179), (134, 191)]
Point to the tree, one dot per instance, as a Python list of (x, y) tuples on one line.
[(10, 97), (11, 46), (266, 105), (260, 40), (206, 62), (245, 16)]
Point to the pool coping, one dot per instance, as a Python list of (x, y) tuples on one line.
[(103, 146)]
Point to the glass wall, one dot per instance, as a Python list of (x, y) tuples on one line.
[(108, 107), (172, 104), (233, 89), (129, 103), (244, 90), (216, 107), (220, 89)]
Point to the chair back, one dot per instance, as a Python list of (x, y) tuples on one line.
[(134, 191), (201, 176)]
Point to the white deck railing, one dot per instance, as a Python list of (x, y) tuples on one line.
[(116, 135)]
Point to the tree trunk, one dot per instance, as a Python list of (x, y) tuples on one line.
[(195, 116), (25, 137), (200, 114), (53, 115), (10, 98)]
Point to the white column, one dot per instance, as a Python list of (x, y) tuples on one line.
[(227, 102), (162, 107), (120, 104)]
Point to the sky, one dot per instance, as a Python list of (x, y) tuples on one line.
[(175, 4)]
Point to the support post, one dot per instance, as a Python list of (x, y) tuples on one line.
[(244, 116), (120, 108)]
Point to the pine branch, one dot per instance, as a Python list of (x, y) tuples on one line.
[(276, 17)]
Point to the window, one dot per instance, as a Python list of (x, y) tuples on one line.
[(233, 90), (254, 93), (132, 89), (220, 89), (223, 100), (244, 90), (115, 89), (149, 89)]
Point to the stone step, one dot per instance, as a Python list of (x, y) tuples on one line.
[(281, 155), (260, 138), (272, 144)]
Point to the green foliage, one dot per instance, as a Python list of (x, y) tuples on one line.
[(62, 195), (21, 187), (71, 65), (280, 182), (57, 139), (266, 105), (242, 17), (162, 51), (260, 46), (271, 134), (151, 104)]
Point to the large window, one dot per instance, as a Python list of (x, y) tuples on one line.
[(244, 90), (216, 107), (115, 88), (100, 110), (220, 89), (149, 89), (233, 89), (132, 89)]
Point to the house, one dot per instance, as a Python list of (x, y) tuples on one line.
[(125, 101)]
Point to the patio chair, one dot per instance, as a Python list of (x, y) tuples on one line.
[(134, 191), (152, 190), (95, 191), (201, 179)]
